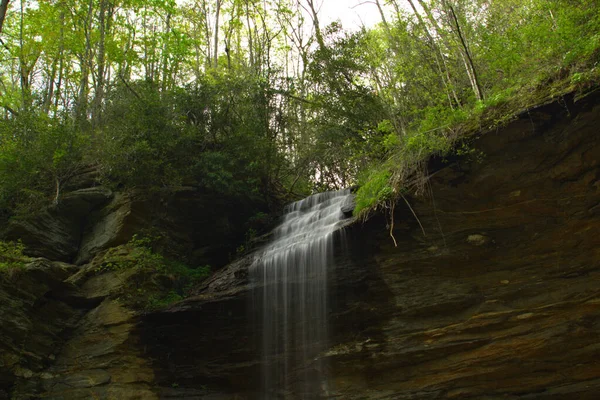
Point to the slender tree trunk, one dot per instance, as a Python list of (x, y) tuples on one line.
[(386, 26), (207, 35), (101, 69), (439, 55), (124, 70), (165, 58), (250, 42), (50, 85), (82, 98), (216, 41), (315, 18), (61, 67), (149, 49), (471, 66), (228, 36), (24, 67), (3, 9)]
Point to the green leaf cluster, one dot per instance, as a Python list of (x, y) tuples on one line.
[(211, 135), (12, 257), (38, 156), (374, 190)]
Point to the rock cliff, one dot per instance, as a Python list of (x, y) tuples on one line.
[(497, 296)]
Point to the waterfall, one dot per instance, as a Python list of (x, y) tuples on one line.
[(290, 297)]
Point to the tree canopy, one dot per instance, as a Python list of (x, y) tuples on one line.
[(249, 98)]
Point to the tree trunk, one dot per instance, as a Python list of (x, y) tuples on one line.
[(439, 54), (250, 42), (24, 67), (50, 86), (386, 26), (207, 35), (61, 68), (101, 69), (315, 18), (165, 58), (216, 41), (228, 35), (473, 72), (3, 8), (82, 98)]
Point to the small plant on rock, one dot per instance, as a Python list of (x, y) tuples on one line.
[(11, 256), (151, 280)]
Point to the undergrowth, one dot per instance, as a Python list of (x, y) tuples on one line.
[(151, 280), (12, 257)]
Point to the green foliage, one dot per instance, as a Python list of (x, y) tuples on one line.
[(271, 115), (346, 112), (37, 157), (374, 189), (249, 237), (156, 301), (391, 140), (11, 256), (202, 136), (524, 53), (142, 144)]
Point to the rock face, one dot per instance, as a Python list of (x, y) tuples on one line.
[(56, 231), (33, 320), (101, 360), (499, 299), (109, 226), (66, 336)]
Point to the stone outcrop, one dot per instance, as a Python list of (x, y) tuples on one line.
[(55, 232), (498, 298), (110, 226), (33, 320), (102, 359), (68, 335)]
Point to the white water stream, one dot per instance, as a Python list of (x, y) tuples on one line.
[(290, 301)]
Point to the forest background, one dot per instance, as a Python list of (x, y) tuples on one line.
[(256, 101)]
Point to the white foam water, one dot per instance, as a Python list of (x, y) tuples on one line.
[(290, 300)]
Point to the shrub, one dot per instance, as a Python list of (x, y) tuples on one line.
[(11, 256), (151, 279)]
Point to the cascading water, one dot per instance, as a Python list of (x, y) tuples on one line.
[(290, 297)]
